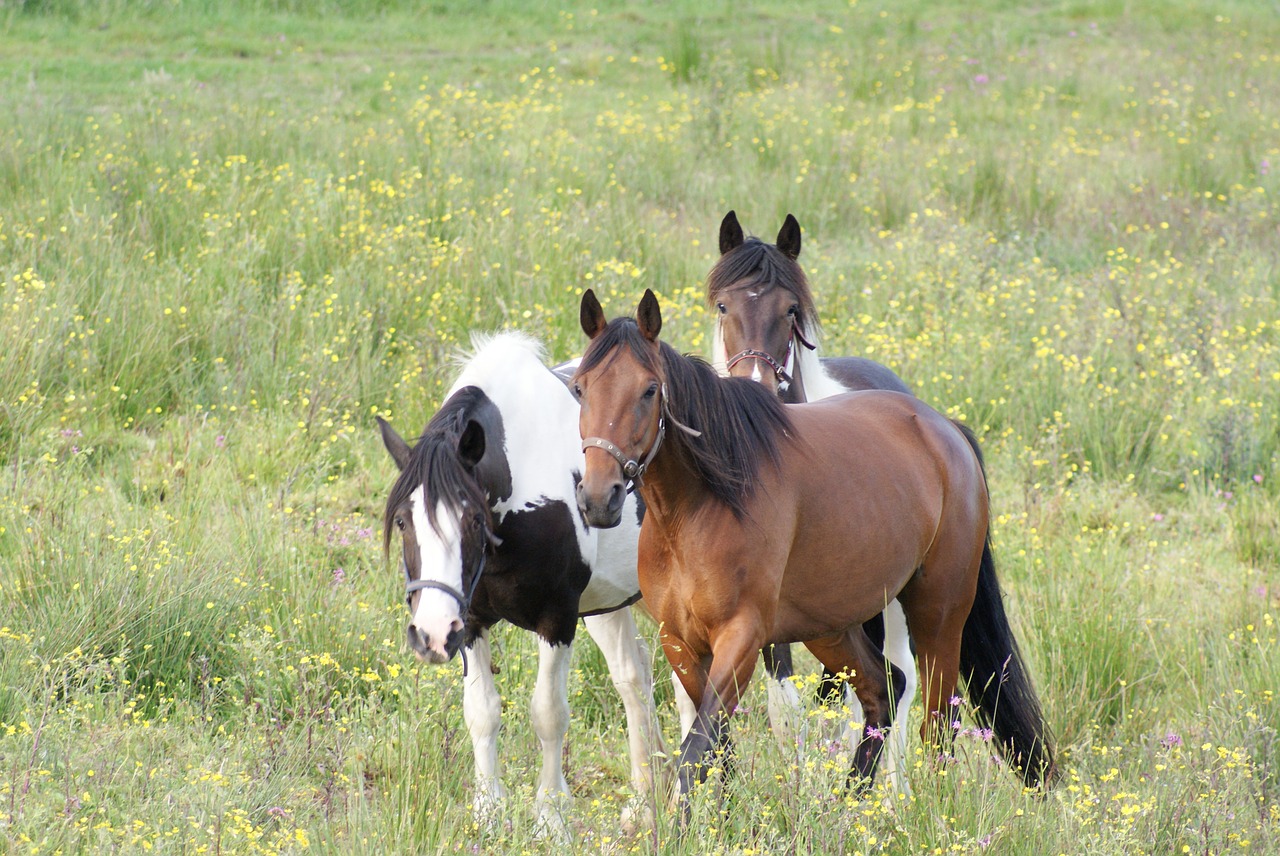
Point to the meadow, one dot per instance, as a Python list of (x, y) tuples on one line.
[(233, 233)]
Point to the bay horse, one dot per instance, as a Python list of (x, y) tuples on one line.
[(767, 329), (489, 528), (774, 523)]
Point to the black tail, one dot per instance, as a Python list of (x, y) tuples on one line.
[(996, 678)]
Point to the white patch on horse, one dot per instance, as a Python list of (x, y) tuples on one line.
[(544, 450), (817, 383), (719, 354), (540, 421), (439, 559)]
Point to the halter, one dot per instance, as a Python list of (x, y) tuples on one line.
[(632, 470), (779, 369)]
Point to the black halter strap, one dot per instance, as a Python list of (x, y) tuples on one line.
[(412, 586), (633, 470)]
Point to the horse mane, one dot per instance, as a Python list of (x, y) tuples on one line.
[(759, 265), (742, 423), (506, 343), (434, 463)]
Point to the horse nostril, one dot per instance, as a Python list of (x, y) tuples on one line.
[(617, 496), (417, 639)]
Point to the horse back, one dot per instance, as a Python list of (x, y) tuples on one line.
[(877, 479)]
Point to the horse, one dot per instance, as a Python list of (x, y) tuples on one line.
[(776, 523), (490, 531), (766, 315), (767, 321)]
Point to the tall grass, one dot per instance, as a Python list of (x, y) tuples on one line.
[(231, 233)]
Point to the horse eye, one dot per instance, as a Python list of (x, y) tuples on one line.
[(794, 310), (577, 391), (400, 523), (720, 306), (651, 391)]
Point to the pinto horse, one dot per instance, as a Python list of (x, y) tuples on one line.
[(769, 523), (767, 330), (487, 521)]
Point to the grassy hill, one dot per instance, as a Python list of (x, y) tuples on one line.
[(233, 233)]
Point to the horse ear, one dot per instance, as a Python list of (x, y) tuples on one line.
[(730, 233), (471, 444), (591, 314), (649, 316), (396, 446), (789, 238)]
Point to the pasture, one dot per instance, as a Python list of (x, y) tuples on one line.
[(232, 234)]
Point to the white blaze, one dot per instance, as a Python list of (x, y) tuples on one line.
[(439, 559)]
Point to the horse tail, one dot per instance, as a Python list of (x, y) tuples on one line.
[(995, 675)]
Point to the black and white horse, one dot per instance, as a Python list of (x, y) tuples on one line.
[(490, 532), (766, 329)]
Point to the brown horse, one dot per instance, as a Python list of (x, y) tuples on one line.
[(767, 329), (770, 523)]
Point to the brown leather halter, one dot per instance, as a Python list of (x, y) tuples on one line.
[(633, 470)]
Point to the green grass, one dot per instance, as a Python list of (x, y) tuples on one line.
[(232, 233)]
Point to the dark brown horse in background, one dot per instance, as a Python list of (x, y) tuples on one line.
[(770, 523), (767, 326)]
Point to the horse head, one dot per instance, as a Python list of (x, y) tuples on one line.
[(763, 302), (439, 506), (619, 389)]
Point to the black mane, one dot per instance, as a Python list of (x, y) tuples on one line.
[(434, 462), (759, 265), (742, 423)]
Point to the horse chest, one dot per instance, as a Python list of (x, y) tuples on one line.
[(690, 591)]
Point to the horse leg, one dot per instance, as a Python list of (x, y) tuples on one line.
[(733, 660), (482, 710), (790, 726), (632, 673), (853, 653), (897, 649), (936, 628), (685, 705), (549, 712)]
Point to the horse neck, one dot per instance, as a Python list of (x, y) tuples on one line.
[(671, 486), (540, 425), (810, 375)]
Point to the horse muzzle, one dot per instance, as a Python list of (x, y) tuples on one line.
[(438, 649), (602, 509)]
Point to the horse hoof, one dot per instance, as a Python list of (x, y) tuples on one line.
[(637, 816), (551, 827)]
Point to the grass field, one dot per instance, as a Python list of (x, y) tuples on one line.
[(231, 233)]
